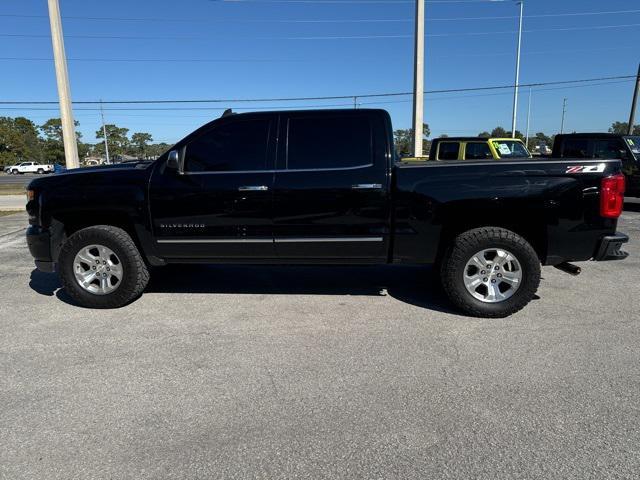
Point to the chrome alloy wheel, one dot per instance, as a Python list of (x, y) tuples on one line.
[(98, 269), (492, 275)]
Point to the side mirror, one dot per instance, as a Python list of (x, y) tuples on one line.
[(173, 161)]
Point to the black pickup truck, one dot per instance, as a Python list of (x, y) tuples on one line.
[(324, 187), (606, 146)]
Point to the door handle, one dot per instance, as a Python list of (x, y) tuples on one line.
[(367, 186), (253, 188)]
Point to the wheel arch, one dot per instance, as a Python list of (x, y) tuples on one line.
[(74, 221), (534, 232)]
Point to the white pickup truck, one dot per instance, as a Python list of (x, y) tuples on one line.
[(29, 167)]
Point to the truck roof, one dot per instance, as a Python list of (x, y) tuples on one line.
[(591, 135), (474, 139)]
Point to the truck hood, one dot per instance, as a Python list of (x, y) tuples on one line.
[(86, 177)]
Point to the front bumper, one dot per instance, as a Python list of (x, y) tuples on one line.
[(39, 241), (610, 248)]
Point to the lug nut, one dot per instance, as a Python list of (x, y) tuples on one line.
[(485, 279), (94, 267), (499, 275), (493, 281), (489, 267), (497, 267), (108, 269), (482, 272)]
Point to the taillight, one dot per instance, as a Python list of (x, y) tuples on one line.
[(612, 196)]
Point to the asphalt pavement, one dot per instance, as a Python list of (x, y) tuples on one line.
[(17, 179), (298, 372)]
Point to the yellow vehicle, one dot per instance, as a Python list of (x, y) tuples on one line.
[(477, 148)]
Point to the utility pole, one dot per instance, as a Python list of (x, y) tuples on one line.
[(634, 103), (104, 132), (517, 84), (418, 80), (64, 92), (564, 111), (528, 118)]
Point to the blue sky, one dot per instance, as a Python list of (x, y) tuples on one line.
[(289, 48)]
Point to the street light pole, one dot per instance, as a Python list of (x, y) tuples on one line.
[(104, 133), (64, 91), (564, 111), (528, 118), (418, 80), (517, 84), (634, 103)]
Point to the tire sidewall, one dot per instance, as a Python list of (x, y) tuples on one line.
[(97, 236)]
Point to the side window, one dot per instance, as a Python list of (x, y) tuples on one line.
[(608, 148), (576, 148), (236, 146), (477, 151), (329, 142), (448, 151)]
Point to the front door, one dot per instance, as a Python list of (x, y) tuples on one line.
[(221, 206), (331, 189)]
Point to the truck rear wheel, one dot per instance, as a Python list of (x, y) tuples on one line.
[(101, 267), (40, 171), (490, 272)]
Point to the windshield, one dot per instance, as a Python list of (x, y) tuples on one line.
[(634, 145), (510, 149)]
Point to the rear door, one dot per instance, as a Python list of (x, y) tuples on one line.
[(331, 193)]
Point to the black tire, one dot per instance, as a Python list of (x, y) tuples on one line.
[(14, 172), (463, 249), (135, 274), (40, 171)]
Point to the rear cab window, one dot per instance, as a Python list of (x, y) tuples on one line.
[(477, 151), (575, 148), (448, 151)]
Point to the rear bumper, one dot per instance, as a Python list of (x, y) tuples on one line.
[(39, 242), (610, 248)]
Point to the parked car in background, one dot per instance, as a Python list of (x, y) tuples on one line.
[(30, 167), (604, 146), (59, 168), (230, 193), (7, 169), (477, 148)]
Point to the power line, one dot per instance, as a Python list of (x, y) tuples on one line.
[(326, 37), (216, 60), (334, 97), (342, 20)]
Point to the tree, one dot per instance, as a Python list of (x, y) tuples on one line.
[(499, 132), (117, 140), (53, 142), (19, 141), (154, 150), (484, 134), (140, 142), (404, 140), (621, 128)]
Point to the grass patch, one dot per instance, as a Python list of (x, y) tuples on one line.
[(12, 189), (4, 213)]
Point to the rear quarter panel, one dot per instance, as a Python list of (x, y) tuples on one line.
[(558, 212)]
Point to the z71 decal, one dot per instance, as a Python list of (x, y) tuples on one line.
[(599, 168)]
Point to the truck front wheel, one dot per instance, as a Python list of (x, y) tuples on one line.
[(101, 267), (490, 272)]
